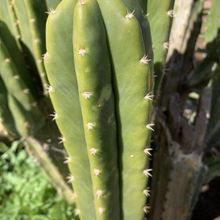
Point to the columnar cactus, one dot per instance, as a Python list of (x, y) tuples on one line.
[(23, 106), (98, 66), (96, 74)]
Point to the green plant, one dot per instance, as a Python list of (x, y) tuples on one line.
[(19, 175), (25, 106), (101, 60)]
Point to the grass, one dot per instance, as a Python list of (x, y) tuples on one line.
[(25, 193)]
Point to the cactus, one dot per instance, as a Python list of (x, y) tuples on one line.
[(51, 4), (134, 124), (91, 103), (64, 92), (31, 17), (98, 110), (24, 109), (18, 91), (100, 57)]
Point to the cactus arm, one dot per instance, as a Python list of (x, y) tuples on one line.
[(132, 78), (93, 70), (64, 95), (36, 13)]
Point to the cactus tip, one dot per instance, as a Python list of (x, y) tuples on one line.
[(149, 96)]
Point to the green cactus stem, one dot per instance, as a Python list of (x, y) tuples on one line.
[(65, 98), (31, 19), (6, 118), (93, 71), (19, 93), (133, 87)]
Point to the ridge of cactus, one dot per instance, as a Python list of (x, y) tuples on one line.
[(7, 15), (63, 91), (52, 3), (17, 88), (132, 84), (97, 104), (37, 17), (6, 118)]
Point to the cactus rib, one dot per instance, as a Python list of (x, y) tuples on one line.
[(133, 83), (93, 70), (64, 95)]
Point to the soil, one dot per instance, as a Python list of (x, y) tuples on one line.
[(208, 205)]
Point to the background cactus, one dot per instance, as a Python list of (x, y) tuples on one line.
[(24, 109), (101, 60)]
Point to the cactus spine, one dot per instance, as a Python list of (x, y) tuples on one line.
[(65, 99)]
